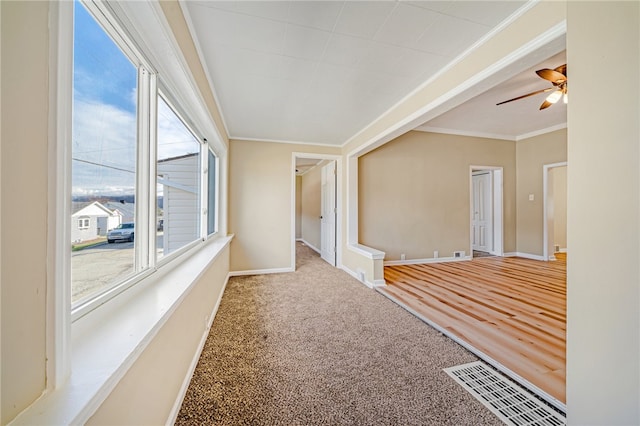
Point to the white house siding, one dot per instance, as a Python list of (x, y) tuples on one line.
[(181, 202)]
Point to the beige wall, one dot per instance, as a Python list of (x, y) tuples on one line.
[(414, 194), (298, 207), (531, 155), (24, 170), (559, 180), (603, 276), (260, 185), (146, 394), (311, 197)]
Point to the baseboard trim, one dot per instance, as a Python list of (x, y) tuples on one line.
[(524, 255), (379, 283), (362, 278), (563, 250), (260, 272), (175, 410), (308, 244), (427, 260), (356, 276)]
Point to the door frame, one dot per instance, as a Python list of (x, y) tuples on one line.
[(545, 206), (338, 160), (497, 191)]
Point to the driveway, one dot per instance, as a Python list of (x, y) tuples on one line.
[(99, 266)]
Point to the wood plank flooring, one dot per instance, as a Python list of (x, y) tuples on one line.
[(511, 309)]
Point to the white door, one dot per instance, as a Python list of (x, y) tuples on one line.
[(482, 213), (328, 214)]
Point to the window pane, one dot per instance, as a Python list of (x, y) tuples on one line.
[(211, 196), (104, 160), (178, 183)]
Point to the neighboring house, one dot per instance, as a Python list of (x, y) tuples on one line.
[(93, 220), (180, 178), (126, 210)]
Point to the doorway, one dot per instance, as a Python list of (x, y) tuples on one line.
[(554, 183), (316, 205), (486, 221)]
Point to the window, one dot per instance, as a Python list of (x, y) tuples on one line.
[(139, 168), (83, 223), (212, 191), (103, 152), (178, 182)]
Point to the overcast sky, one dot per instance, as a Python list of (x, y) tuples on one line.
[(104, 115)]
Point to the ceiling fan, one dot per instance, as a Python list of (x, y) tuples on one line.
[(557, 77)]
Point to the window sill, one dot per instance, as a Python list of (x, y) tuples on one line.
[(106, 342)]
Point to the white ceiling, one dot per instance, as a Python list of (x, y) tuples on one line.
[(320, 71)]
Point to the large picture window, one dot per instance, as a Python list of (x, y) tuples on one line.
[(103, 158), (138, 169)]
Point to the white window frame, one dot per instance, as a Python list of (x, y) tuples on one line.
[(147, 22), (84, 223), (202, 171)]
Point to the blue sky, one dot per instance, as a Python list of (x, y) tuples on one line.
[(104, 115)]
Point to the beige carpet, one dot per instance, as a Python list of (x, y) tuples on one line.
[(317, 347)]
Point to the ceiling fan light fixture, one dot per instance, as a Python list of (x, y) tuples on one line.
[(554, 97)]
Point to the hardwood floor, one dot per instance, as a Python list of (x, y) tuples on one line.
[(511, 309)]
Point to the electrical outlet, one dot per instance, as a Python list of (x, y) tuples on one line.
[(402, 257), (435, 254)]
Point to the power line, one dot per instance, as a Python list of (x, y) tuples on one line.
[(103, 165)]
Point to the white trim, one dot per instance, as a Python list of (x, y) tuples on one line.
[(545, 205), (308, 244), (427, 260), (542, 131), (471, 133), (356, 277), (240, 139), (260, 272), (175, 410), (58, 343), (352, 200), (378, 283), (368, 252), (516, 377), (562, 250), (339, 207), (524, 255)]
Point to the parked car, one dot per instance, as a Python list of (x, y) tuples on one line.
[(124, 232)]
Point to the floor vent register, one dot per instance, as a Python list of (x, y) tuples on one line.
[(507, 400)]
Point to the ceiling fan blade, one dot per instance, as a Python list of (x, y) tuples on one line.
[(562, 69), (545, 104), (552, 75), (528, 94)]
